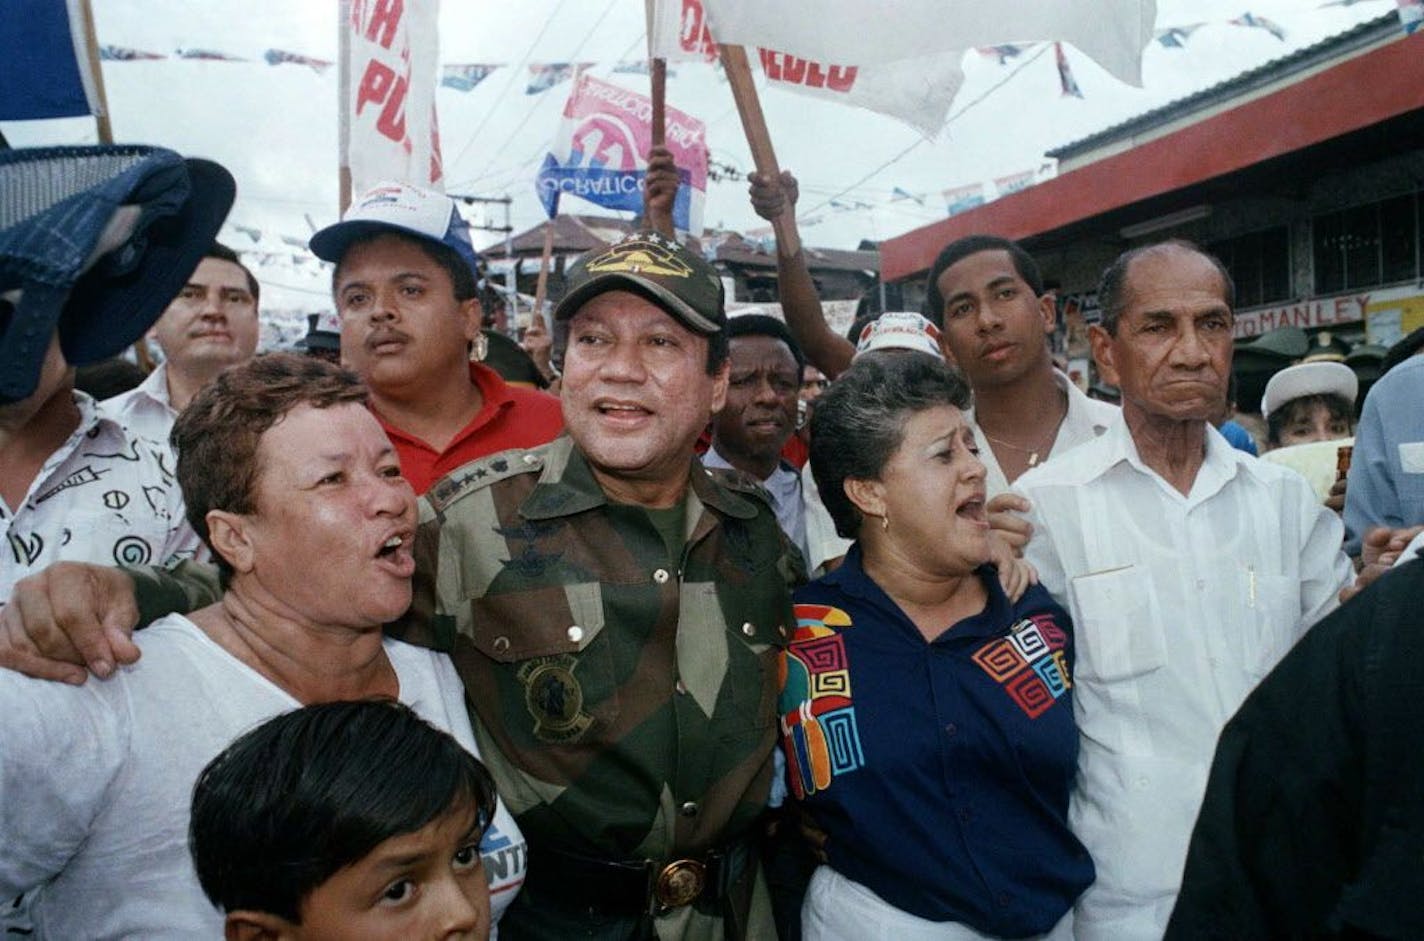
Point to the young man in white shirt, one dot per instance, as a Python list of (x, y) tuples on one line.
[(986, 295), (1189, 568), (210, 325)]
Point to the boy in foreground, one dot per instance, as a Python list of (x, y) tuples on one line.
[(351, 820)]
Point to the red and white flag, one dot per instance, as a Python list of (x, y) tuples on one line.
[(1112, 33), (847, 50), (916, 91), (388, 127)]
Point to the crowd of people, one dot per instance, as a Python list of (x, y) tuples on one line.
[(750, 631)]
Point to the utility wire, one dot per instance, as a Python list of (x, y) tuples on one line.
[(513, 76), (573, 59), (918, 141)]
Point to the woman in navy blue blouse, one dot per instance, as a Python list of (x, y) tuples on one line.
[(926, 719)]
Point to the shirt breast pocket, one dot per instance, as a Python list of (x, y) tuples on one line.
[(550, 645), (1411, 457), (1274, 603), (1117, 625)]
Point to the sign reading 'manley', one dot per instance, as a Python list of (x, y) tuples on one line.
[(1317, 312)]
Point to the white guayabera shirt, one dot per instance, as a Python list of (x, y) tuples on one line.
[(1180, 605)]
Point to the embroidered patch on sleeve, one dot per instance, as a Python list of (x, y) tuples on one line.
[(818, 728), (1030, 664)]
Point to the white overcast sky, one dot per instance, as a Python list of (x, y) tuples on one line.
[(275, 126)]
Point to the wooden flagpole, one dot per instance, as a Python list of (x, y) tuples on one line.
[(542, 286), (343, 119), (91, 43), (739, 76), (658, 79), (657, 76)]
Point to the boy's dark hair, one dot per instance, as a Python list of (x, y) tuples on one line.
[(960, 249), (1286, 415), (762, 325), (304, 795)]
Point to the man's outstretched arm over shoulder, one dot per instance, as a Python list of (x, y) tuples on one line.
[(75, 615)]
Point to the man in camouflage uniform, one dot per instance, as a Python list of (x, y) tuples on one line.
[(617, 626), (616, 612)]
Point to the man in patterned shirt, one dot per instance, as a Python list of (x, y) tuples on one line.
[(76, 485)]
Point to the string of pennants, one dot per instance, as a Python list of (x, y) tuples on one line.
[(301, 257), (546, 75), (543, 77)]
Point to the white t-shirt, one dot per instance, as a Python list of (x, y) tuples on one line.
[(96, 782)]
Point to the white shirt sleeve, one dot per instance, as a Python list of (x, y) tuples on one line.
[(61, 748), (1324, 566)]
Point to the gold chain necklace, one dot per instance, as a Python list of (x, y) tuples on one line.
[(1032, 452)]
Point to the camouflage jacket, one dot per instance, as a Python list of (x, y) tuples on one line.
[(624, 700)]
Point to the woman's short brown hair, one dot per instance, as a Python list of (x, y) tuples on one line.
[(217, 435)]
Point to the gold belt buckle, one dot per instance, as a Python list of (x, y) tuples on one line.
[(680, 883)]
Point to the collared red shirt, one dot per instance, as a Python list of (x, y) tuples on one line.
[(145, 409), (939, 770), (784, 485), (105, 496), (1085, 420), (511, 417), (1180, 605)]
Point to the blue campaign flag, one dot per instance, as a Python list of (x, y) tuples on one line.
[(606, 187), (44, 64)]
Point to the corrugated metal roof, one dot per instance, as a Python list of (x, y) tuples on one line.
[(1326, 50)]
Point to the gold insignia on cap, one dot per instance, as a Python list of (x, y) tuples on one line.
[(640, 257)]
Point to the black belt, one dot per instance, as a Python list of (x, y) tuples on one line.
[(637, 887)]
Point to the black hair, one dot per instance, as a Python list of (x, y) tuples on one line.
[(858, 325), (222, 253), (960, 249), (108, 377), (1112, 289), (462, 276), (304, 795), (762, 325), (859, 422), (1289, 412), (1401, 351)]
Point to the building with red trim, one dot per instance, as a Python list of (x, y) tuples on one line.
[(1306, 176)]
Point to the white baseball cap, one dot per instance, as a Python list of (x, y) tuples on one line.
[(1314, 378), (404, 208), (899, 330)]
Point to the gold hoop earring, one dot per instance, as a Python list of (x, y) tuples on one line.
[(885, 522)]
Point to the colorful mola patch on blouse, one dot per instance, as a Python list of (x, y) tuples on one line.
[(818, 729), (1030, 664)]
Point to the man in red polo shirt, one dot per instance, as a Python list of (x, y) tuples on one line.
[(406, 294)]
